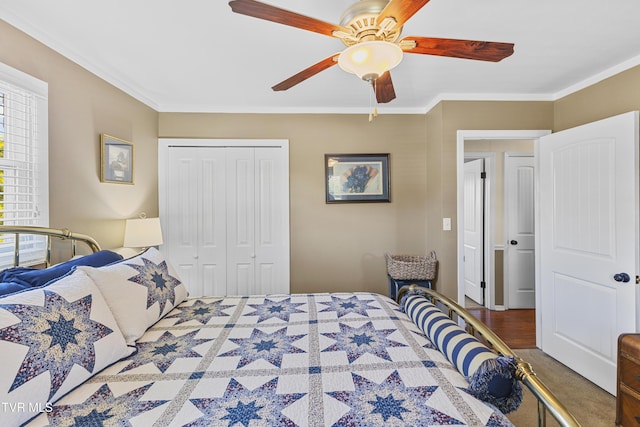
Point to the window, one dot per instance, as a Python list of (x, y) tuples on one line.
[(24, 187)]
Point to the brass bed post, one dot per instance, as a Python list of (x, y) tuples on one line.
[(16, 250), (542, 415), (73, 248), (62, 234), (47, 260), (524, 372)]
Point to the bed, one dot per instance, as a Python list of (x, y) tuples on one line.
[(111, 341)]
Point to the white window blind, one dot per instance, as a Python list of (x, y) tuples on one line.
[(23, 163)]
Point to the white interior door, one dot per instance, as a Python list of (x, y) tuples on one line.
[(588, 241), (194, 217), (520, 232), (473, 229)]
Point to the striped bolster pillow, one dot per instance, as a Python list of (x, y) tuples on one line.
[(491, 377)]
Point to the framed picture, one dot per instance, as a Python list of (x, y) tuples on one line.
[(116, 163), (357, 178)]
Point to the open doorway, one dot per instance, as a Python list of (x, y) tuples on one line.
[(493, 146)]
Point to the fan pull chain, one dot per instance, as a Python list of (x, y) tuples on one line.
[(374, 108)]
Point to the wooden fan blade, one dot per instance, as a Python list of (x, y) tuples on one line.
[(401, 10), (384, 88), (282, 16), (306, 73), (467, 49)]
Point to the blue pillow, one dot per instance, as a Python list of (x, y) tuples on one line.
[(7, 288), (8, 274), (36, 277)]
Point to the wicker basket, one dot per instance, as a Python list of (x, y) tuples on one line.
[(404, 267)]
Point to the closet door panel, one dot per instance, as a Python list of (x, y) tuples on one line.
[(190, 275), (181, 238), (271, 222), (267, 281), (240, 221), (244, 279), (213, 279), (212, 222)]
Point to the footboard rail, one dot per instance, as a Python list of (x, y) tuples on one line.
[(547, 401)]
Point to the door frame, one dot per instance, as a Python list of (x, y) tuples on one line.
[(461, 137)]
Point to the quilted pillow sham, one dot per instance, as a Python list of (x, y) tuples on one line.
[(491, 377), (139, 291), (53, 339)]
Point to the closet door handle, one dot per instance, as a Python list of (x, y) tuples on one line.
[(514, 242)]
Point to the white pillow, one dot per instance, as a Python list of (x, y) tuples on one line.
[(139, 291), (53, 339)]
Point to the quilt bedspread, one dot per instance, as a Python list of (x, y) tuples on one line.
[(294, 360)]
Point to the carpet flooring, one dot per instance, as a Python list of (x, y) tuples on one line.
[(589, 404)]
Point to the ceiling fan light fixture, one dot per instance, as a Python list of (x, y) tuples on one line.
[(370, 59)]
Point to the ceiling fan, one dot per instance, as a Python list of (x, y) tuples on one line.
[(370, 29)]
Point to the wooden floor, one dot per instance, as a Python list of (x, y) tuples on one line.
[(517, 328)]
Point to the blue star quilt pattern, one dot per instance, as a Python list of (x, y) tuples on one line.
[(141, 290), (276, 309), (295, 360), (53, 339), (199, 311), (351, 305), (156, 277), (60, 332)]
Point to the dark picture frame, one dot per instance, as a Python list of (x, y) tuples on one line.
[(116, 160), (357, 178)]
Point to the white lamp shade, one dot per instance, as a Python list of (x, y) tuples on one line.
[(142, 233), (369, 60)]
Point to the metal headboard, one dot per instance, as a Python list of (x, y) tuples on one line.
[(547, 401), (50, 233)]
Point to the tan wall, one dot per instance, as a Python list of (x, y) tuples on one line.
[(443, 123), (81, 107), (615, 95), (336, 247)]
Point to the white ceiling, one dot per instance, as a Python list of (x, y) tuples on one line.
[(199, 56)]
